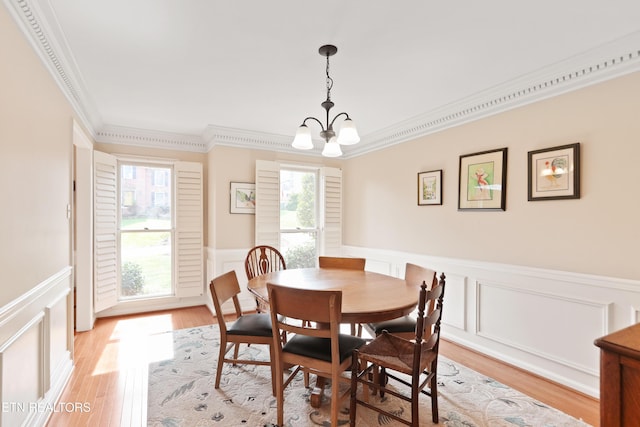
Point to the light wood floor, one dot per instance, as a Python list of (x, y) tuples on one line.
[(111, 371)]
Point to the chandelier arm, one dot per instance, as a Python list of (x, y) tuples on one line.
[(304, 122), (334, 119)]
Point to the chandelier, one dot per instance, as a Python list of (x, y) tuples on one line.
[(348, 134)]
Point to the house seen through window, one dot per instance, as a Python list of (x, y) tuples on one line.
[(146, 231)]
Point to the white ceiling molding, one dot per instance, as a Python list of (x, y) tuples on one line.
[(152, 139), (50, 46), (38, 22), (218, 135), (604, 63)]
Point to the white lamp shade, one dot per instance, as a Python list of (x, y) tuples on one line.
[(332, 149), (303, 141), (348, 134)]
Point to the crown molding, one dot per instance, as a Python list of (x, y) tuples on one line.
[(608, 61), (231, 137), (38, 22), (40, 26), (112, 134)]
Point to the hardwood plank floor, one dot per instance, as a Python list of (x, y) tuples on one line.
[(111, 371)]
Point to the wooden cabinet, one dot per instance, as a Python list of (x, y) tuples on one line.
[(620, 378)]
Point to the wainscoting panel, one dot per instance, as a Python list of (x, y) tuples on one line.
[(22, 377), (36, 348), (531, 321), (455, 313), (543, 321), (222, 261)]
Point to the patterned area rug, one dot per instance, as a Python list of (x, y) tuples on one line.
[(181, 393)]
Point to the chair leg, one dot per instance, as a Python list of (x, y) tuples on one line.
[(272, 359), (415, 401), (236, 350), (434, 397), (355, 365), (382, 380), (280, 394), (223, 351), (335, 399)]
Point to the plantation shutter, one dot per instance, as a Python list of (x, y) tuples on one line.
[(331, 211), (267, 203), (105, 223), (189, 267)]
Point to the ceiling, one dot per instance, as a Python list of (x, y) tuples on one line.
[(192, 74)]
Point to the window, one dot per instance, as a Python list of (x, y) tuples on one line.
[(148, 231), (128, 198), (298, 217), (128, 172), (314, 227), (146, 234), (160, 178), (160, 199)]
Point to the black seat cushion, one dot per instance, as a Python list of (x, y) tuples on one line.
[(251, 324), (320, 348), (401, 324)]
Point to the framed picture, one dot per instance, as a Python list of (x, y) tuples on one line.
[(430, 188), (482, 183), (554, 173), (243, 198)]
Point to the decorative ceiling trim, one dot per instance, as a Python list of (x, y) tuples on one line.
[(37, 21), (609, 61), (111, 134), (218, 135)]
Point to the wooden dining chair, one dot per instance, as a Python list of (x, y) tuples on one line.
[(346, 263), (246, 329), (405, 326), (261, 260), (417, 359), (319, 349)]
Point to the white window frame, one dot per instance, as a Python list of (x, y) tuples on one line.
[(188, 220), (267, 227), (317, 230), (124, 165)]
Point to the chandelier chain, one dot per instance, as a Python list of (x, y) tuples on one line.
[(329, 81)]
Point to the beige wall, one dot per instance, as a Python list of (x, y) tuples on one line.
[(226, 165), (596, 234), (36, 149)]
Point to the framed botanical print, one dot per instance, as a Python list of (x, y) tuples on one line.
[(243, 198), (482, 180)]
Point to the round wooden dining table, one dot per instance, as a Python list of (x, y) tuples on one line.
[(366, 297)]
